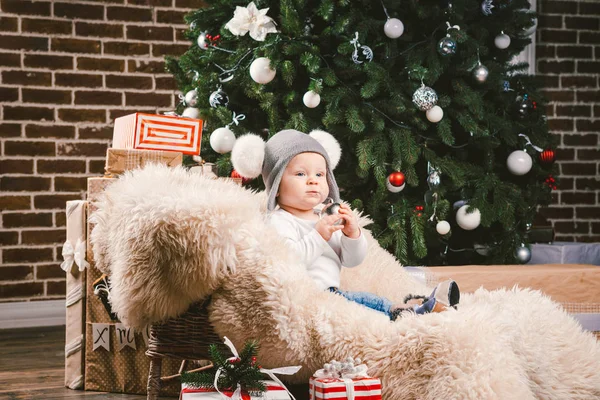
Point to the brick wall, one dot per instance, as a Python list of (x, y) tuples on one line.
[(68, 68), (568, 60)]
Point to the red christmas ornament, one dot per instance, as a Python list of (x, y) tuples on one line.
[(547, 156), (396, 178)]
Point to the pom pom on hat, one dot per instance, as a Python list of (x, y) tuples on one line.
[(330, 144), (248, 155)]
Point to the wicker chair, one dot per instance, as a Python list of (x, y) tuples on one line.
[(186, 338)]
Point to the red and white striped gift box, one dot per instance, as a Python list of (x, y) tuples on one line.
[(158, 132), (333, 388), (274, 392)]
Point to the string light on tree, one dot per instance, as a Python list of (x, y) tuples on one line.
[(468, 221), (311, 99), (261, 71), (502, 41), (396, 182)]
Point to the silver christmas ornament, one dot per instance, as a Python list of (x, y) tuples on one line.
[(191, 98), (425, 98), (202, 41), (218, 98), (365, 55), (332, 208), (486, 7), (524, 105), (481, 73), (447, 46), (523, 254), (434, 179)]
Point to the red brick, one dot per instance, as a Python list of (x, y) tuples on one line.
[(76, 45), (46, 236), (120, 112), (26, 255), (145, 66), (128, 81), (48, 61), (181, 35), (96, 132), (60, 219), (7, 238), (27, 78), (46, 96), (545, 51), (578, 169), (78, 11), (151, 3), (25, 7), (76, 80), (47, 26), (558, 36), (586, 125), (172, 17), (564, 155), (588, 154), (96, 166), (50, 131), (565, 125), (56, 201), (572, 227), (588, 96), (24, 43), (588, 67), (129, 14), (8, 94), (29, 148), (100, 64), (150, 33), (70, 184), (574, 51), (148, 99), (566, 183), (28, 289), (578, 198), (588, 184), (24, 183), (588, 212), (595, 229), (589, 37), (578, 81), (556, 67), (14, 203), (548, 81), (60, 166), (16, 166), (10, 60), (99, 30), (161, 50), (98, 98), (10, 130), (580, 140), (573, 111), (582, 23), (56, 288), (557, 212), (18, 220), (49, 271), (193, 4), (81, 115), (587, 8), (126, 48), (82, 149), (165, 83), (8, 24), (597, 111), (550, 21)]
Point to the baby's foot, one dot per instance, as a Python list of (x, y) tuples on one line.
[(446, 294)]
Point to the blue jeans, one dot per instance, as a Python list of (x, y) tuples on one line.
[(370, 300)]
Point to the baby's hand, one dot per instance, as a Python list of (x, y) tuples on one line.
[(351, 228), (326, 226)]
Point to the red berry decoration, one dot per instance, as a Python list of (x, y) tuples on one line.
[(547, 157), (551, 182), (396, 178), (419, 210)]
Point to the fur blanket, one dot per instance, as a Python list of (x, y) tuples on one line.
[(169, 238)]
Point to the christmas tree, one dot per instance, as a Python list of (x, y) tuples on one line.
[(441, 134)]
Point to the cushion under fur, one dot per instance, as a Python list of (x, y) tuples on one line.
[(171, 238)]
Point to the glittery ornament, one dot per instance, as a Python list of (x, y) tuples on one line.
[(447, 46), (218, 98), (434, 179), (425, 98), (486, 7), (364, 55)]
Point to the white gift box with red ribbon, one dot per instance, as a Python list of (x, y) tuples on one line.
[(158, 132), (345, 388), (274, 392)]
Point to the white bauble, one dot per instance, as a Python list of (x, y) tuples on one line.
[(442, 227), (191, 112), (191, 98), (222, 140), (393, 28), (394, 189), (519, 162), (435, 114), (261, 72), (502, 41), (311, 99), (468, 221)]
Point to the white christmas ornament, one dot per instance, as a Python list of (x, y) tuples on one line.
[(191, 98), (261, 72), (191, 112), (393, 28), (394, 189), (502, 41), (435, 114), (311, 99), (251, 19), (222, 140), (442, 227), (468, 221), (202, 42), (519, 162)]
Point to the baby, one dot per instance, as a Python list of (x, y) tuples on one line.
[(297, 172)]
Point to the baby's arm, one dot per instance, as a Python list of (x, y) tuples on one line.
[(353, 251), (308, 247)]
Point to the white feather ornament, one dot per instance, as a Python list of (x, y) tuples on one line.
[(248, 155), (330, 144)]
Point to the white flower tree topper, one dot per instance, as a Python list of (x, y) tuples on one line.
[(253, 20)]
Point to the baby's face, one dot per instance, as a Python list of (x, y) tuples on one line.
[(304, 182)]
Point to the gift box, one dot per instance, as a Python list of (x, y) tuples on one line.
[(121, 160), (274, 392), (74, 265), (351, 389), (158, 132)]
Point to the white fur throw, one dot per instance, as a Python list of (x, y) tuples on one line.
[(169, 238)]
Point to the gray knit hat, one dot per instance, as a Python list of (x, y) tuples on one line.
[(251, 156)]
